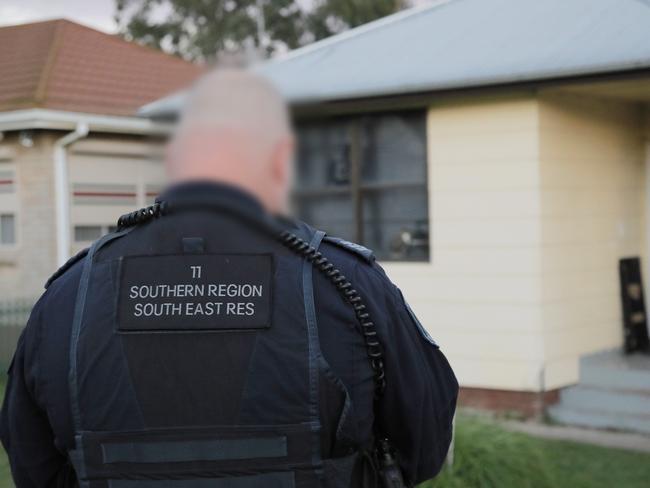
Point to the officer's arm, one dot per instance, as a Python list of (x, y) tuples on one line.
[(24, 428), (418, 406)]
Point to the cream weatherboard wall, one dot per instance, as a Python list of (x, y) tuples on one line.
[(480, 294), (592, 187), (533, 200)]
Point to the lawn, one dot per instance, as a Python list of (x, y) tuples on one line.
[(487, 456), (5, 475)]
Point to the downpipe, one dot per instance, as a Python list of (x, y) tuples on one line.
[(62, 191)]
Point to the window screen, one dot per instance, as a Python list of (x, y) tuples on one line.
[(90, 233), (364, 179), (87, 233), (7, 229)]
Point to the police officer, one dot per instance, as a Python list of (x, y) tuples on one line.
[(208, 344)]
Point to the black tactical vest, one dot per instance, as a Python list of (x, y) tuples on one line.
[(195, 362)]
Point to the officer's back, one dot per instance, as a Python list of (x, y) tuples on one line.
[(208, 344)]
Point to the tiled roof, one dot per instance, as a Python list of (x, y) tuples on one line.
[(62, 65)]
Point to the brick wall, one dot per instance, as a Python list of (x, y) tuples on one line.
[(528, 404), (24, 268)]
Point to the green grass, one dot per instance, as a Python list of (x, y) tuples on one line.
[(5, 474), (486, 456)]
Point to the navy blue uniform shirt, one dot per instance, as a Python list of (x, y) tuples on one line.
[(416, 411)]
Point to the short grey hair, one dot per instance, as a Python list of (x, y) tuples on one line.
[(236, 99)]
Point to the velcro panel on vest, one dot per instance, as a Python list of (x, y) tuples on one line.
[(268, 480), (197, 450), (182, 453)]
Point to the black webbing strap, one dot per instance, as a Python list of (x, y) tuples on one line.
[(351, 296)]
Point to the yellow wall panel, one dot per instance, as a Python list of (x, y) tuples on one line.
[(479, 296), (592, 177)]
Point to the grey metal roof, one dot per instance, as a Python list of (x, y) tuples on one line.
[(463, 43)]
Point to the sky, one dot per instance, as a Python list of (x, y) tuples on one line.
[(94, 13)]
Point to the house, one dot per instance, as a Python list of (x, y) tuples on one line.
[(73, 155), (494, 155)]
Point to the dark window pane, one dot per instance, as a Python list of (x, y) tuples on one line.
[(87, 233), (323, 155), (394, 149), (396, 224), (333, 214)]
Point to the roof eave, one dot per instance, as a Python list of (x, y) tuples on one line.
[(36, 118), (163, 108), (168, 107)]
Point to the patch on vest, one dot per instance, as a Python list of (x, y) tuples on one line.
[(201, 292)]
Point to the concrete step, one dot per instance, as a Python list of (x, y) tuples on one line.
[(613, 393), (606, 400), (594, 418), (613, 370)]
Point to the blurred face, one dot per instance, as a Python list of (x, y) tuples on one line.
[(235, 130), (282, 173)]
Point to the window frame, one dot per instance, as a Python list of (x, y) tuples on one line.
[(356, 189)]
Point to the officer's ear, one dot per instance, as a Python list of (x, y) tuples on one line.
[(282, 161)]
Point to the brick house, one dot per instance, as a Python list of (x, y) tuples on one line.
[(73, 156)]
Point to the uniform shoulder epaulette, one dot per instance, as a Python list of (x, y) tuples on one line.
[(66, 266), (361, 251)]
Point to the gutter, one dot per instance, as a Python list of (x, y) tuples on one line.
[(37, 118), (166, 108), (62, 192)]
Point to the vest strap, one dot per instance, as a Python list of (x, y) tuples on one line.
[(314, 347), (77, 321)]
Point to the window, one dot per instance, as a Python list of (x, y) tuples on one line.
[(90, 233), (87, 233), (365, 179), (7, 229)]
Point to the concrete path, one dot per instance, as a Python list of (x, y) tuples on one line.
[(617, 440)]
